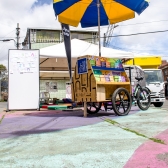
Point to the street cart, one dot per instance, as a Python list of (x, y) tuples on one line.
[(101, 81)]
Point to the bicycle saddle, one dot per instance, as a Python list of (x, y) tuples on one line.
[(139, 79)]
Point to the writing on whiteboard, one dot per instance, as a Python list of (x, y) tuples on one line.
[(23, 63)]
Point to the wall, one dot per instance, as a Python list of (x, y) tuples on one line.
[(61, 85), (165, 73)]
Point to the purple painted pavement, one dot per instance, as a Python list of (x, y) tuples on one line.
[(35, 122)]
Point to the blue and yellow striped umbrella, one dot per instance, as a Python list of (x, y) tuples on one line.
[(73, 12)]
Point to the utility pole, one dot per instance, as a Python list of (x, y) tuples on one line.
[(17, 35), (108, 34), (104, 40)]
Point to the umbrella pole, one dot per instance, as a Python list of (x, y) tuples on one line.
[(98, 10)]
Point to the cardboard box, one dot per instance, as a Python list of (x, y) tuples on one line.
[(101, 93)]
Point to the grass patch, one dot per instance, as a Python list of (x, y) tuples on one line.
[(111, 121), (157, 140), (133, 131), (2, 118)]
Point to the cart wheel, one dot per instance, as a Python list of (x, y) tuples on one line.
[(121, 101), (93, 108)]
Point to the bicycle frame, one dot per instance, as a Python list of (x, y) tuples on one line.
[(134, 95), (137, 87)]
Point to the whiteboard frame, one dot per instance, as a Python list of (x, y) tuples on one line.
[(38, 104)]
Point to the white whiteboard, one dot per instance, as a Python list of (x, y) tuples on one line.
[(23, 79)]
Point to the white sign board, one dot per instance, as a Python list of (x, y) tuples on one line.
[(23, 87)]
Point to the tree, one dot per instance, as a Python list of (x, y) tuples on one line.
[(3, 80), (2, 68), (3, 71)]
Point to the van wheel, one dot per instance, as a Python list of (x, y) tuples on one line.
[(158, 104)]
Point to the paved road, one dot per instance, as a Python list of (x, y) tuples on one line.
[(165, 105), (3, 106), (59, 139)]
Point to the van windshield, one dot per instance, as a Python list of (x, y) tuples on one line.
[(153, 76)]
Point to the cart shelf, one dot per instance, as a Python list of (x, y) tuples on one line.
[(110, 69)]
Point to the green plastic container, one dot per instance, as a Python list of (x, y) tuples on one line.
[(57, 107)]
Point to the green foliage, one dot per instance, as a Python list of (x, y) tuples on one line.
[(2, 68)]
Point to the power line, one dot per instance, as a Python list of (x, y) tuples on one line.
[(145, 22), (134, 34), (103, 27)]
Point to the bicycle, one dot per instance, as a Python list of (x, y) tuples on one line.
[(141, 95)]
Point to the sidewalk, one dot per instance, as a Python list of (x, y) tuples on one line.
[(56, 139), (3, 106)]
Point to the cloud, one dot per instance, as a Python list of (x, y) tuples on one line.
[(151, 44), (32, 13), (13, 12)]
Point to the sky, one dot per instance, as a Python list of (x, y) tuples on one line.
[(40, 14)]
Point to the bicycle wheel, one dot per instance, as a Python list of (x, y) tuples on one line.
[(93, 108), (143, 99), (121, 101)]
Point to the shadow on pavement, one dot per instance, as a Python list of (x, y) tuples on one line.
[(15, 125), (68, 114)]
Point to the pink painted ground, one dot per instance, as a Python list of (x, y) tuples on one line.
[(151, 154)]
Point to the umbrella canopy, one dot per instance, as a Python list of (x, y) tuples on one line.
[(73, 12)]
